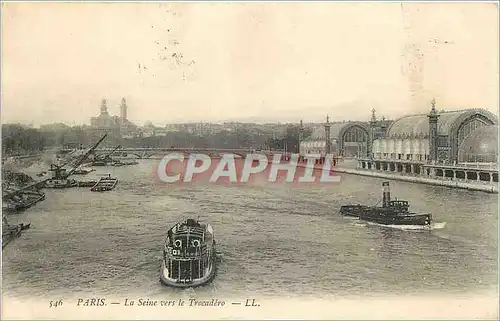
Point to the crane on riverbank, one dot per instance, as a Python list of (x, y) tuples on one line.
[(59, 175)]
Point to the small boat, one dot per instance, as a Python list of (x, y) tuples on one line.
[(110, 162), (87, 183), (10, 232), (25, 226), (99, 163), (392, 212), (189, 255), (31, 198), (83, 170), (105, 160), (22, 201), (105, 184), (107, 163), (61, 183), (130, 163), (9, 206)]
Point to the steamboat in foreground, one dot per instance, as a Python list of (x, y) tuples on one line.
[(189, 256), (392, 212)]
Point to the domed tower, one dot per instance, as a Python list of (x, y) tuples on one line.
[(433, 134)]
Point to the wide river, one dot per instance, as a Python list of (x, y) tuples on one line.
[(275, 240)]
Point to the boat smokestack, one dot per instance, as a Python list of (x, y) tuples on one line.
[(386, 194)]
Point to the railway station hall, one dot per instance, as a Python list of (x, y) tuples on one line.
[(456, 144)]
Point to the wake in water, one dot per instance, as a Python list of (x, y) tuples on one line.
[(432, 227), (219, 255)]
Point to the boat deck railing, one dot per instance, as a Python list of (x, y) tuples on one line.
[(183, 228), (186, 254), (184, 233), (392, 214)]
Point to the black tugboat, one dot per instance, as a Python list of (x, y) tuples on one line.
[(189, 256), (392, 212)]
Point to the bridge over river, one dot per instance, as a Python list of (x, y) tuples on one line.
[(151, 152)]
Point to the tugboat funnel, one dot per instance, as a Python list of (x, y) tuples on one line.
[(386, 194)]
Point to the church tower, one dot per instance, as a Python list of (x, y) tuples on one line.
[(104, 107), (123, 110), (433, 133)]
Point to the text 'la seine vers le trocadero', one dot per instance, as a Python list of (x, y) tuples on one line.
[(99, 302)]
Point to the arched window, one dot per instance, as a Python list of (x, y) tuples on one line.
[(468, 127)]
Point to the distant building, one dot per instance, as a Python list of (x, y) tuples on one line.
[(148, 130), (446, 137), (53, 127), (348, 138), (117, 126), (436, 137), (460, 145), (160, 132)]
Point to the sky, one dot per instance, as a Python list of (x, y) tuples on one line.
[(191, 62)]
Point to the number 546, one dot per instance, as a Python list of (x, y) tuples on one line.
[(55, 304)]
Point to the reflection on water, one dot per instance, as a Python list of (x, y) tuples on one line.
[(275, 240)]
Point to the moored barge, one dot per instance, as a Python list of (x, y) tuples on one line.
[(83, 170), (10, 232), (22, 201), (189, 256), (105, 184), (392, 212)]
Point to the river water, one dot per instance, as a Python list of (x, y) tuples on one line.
[(274, 240)]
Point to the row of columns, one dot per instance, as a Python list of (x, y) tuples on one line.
[(421, 170), (303, 160), (491, 176)]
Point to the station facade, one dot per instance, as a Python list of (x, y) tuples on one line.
[(461, 144)]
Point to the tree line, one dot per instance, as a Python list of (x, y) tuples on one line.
[(20, 140)]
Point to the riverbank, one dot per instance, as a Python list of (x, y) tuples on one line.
[(15, 179), (489, 188)]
